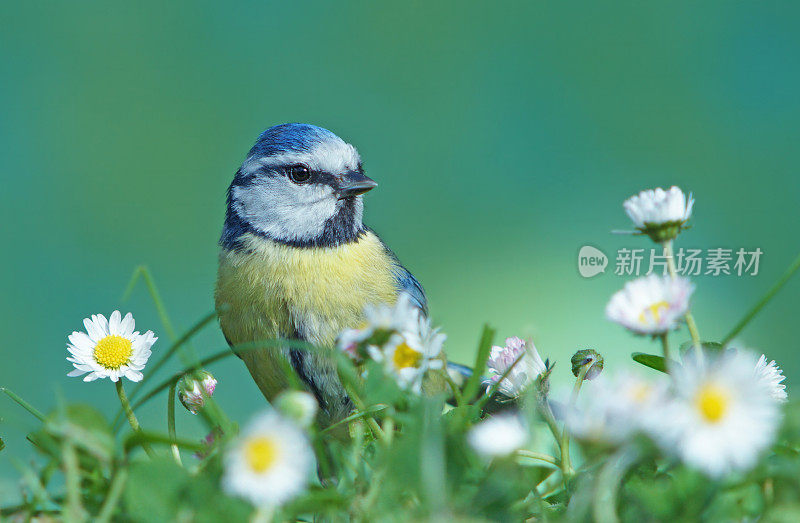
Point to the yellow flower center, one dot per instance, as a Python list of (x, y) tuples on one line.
[(404, 357), (112, 352), (653, 312), (260, 453), (641, 392), (712, 402)]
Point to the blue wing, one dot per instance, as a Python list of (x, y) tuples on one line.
[(406, 282)]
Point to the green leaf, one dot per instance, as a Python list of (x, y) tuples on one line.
[(484, 348), (708, 346), (650, 360), (783, 513), (380, 388), (318, 501), (160, 490), (153, 490), (539, 473), (85, 427)]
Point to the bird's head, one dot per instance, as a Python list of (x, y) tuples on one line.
[(300, 185)]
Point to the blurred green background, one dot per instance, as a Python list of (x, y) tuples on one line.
[(504, 138)]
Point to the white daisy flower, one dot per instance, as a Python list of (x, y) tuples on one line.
[(651, 304), (614, 408), (658, 213), (269, 463), (379, 317), (109, 348), (523, 374), (772, 376), (411, 353), (397, 317), (498, 436), (723, 415)]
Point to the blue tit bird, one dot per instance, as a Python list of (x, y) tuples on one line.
[(297, 262)]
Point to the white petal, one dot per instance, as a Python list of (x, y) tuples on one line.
[(114, 323), (76, 372), (81, 340), (127, 325), (95, 333), (102, 324), (133, 375)]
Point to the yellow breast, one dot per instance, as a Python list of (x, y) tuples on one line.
[(272, 289)]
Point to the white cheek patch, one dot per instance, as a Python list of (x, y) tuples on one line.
[(284, 210)]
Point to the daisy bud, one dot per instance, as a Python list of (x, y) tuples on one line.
[(585, 357), (194, 388), (298, 406)]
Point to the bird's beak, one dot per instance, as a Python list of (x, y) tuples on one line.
[(355, 183)]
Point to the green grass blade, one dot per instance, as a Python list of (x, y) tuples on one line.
[(24, 404), (143, 272), (763, 301), (484, 347)]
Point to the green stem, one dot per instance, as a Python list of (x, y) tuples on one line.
[(484, 348), (693, 332), (126, 406), (263, 514), (763, 301), (140, 439), (24, 404), (388, 429), (538, 456), (176, 453), (74, 509), (114, 493), (323, 459), (579, 379), (371, 496), (358, 415), (361, 406), (216, 414), (673, 272), (608, 480), (665, 348), (566, 465), (456, 390), (690, 323), (550, 420)]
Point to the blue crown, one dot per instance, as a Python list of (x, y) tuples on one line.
[(290, 137)]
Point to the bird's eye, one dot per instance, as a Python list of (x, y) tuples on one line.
[(299, 173)]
